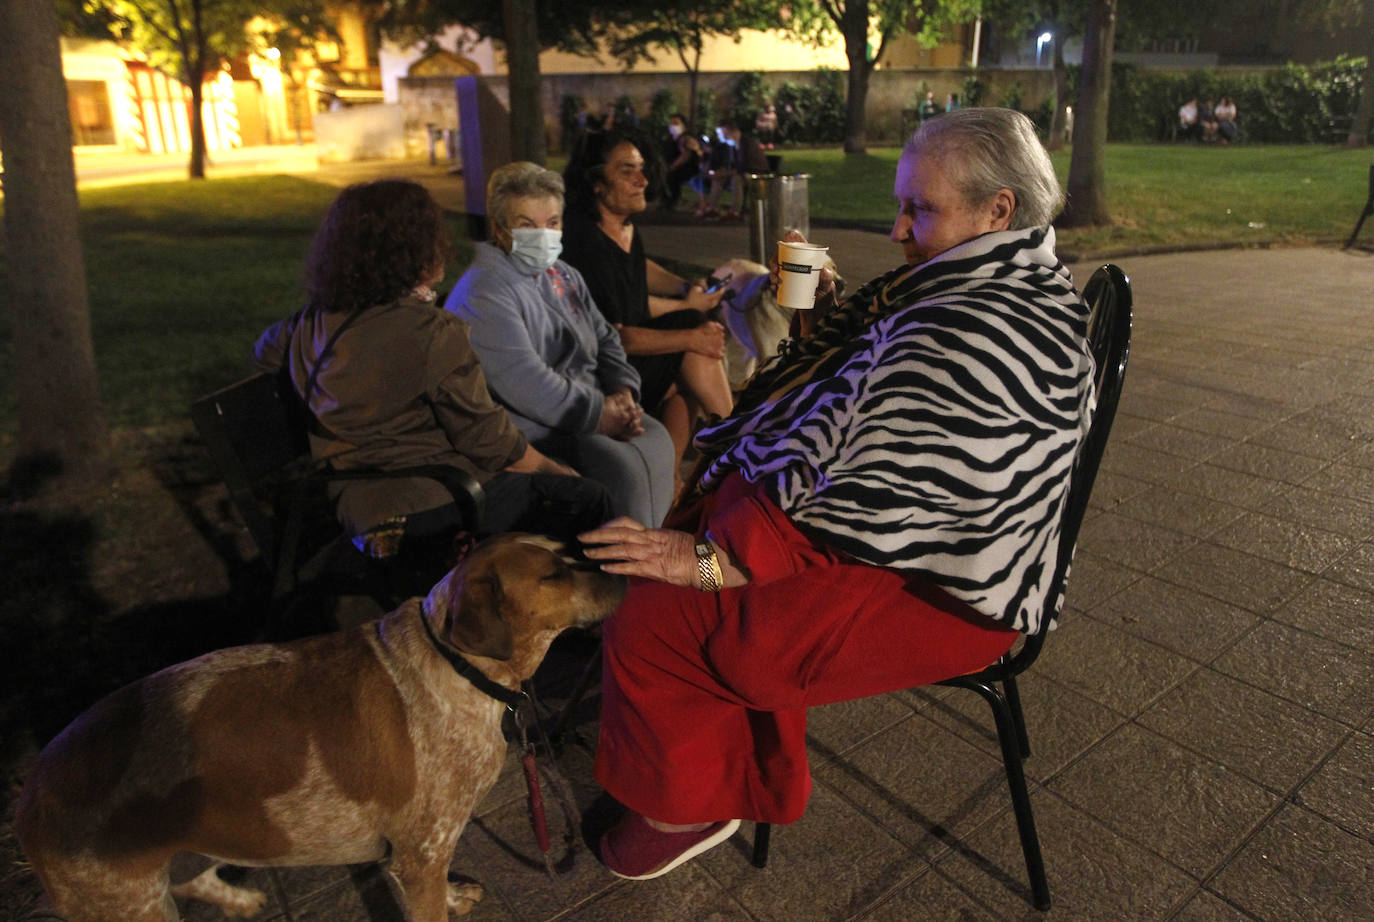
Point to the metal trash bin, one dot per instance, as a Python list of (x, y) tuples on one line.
[(778, 204)]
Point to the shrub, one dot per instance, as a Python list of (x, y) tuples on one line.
[(661, 106), (751, 95), (1291, 104)]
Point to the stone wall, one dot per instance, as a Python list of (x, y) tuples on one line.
[(432, 100)]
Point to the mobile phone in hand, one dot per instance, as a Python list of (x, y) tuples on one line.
[(714, 284)]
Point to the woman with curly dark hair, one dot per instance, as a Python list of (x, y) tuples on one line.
[(393, 383)]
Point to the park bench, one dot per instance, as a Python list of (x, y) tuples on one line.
[(256, 432)]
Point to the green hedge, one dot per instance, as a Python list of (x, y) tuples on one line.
[(1294, 104)]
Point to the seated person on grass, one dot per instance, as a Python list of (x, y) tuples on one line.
[(677, 350)]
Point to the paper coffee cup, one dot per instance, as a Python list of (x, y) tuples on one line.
[(799, 272)]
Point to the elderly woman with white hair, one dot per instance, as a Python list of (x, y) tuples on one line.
[(881, 510), (550, 356)]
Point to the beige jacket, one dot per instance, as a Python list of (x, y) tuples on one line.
[(400, 387)]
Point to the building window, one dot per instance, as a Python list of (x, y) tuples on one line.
[(88, 104)]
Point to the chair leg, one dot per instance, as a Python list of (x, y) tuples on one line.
[(763, 832), (1020, 796), (1017, 718)]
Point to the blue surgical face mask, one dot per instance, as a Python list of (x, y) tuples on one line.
[(534, 249)]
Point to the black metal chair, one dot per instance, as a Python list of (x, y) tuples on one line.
[(256, 433), (1108, 293)]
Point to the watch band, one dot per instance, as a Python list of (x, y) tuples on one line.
[(709, 577)]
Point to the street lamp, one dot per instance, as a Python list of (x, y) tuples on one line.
[(1044, 39)]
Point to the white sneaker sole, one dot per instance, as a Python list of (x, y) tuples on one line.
[(706, 844)]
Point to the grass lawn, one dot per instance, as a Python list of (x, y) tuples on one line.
[(182, 278), (183, 275), (1161, 196)]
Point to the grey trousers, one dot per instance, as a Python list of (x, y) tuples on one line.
[(638, 473)]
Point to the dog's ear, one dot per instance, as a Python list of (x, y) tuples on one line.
[(477, 624)]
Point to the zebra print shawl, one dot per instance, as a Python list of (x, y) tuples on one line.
[(930, 423)]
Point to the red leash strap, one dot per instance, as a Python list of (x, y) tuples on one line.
[(536, 800)]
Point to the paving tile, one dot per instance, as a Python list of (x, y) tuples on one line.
[(1241, 579), (1306, 437), (1348, 413), (1226, 486), (1343, 789), (1269, 463), (1208, 907), (1156, 407), (1175, 440), (1267, 739), (1195, 625), (1111, 667), (687, 894), (833, 863), (1343, 480), (929, 898), (1130, 428), (1187, 513), (1301, 547), (1355, 568), (834, 729), (1332, 679), (499, 850), (921, 783), (1301, 868), (1327, 511), (1130, 542), (1362, 455), (1093, 579), (1182, 806), (1220, 423), (366, 896), (1142, 463), (1270, 408), (1109, 489), (1094, 874), (298, 884), (1060, 722), (1332, 610)]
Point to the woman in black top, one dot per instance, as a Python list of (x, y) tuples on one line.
[(662, 318)]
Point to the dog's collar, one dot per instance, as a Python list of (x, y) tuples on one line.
[(511, 699)]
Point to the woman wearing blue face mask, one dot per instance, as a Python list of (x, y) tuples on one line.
[(550, 356)]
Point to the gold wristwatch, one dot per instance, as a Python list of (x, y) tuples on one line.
[(709, 577)]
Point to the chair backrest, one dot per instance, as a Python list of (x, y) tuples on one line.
[(1108, 296), (253, 429)]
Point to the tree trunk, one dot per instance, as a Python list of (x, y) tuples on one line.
[(197, 167), (522, 62), (1058, 118), (60, 413), (1364, 110), (1087, 203), (854, 27)]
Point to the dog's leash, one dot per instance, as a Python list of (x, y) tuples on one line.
[(515, 702)]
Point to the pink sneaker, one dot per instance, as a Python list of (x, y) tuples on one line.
[(634, 850)]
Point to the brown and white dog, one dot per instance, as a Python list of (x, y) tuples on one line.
[(337, 749)]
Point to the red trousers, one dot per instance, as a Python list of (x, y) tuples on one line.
[(704, 696)]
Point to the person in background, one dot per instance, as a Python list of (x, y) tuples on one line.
[(1207, 118), (661, 317), (766, 126), (1188, 125), (1225, 113), (392, 382), (929, 108), (682, 152), (952, 103), (550, 356), (864, 521), (724, 168)]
